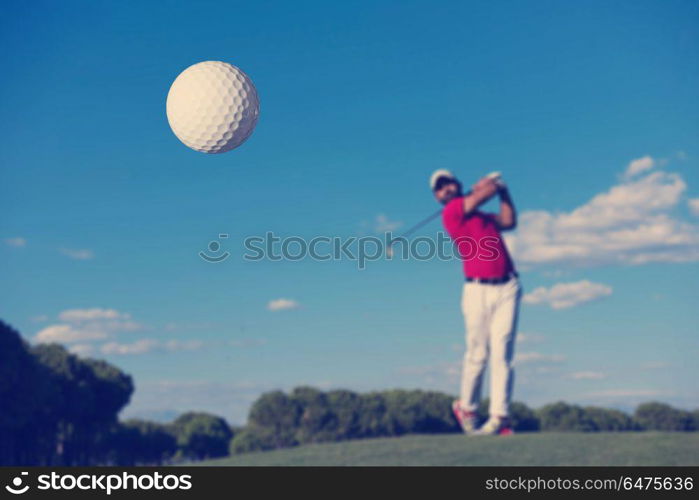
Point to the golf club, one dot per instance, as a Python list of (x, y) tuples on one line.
[(389, 249)]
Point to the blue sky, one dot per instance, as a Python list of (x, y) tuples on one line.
[(589, 110)]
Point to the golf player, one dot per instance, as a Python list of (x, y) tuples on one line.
[(491, 294)]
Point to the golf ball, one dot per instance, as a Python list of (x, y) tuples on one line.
[(212, 107)]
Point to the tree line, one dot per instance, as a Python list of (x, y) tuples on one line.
[(59, 409), (307, 415)]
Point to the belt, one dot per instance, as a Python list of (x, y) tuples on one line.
[(494, 281)]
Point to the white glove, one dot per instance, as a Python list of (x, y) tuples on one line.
[(497, 177)]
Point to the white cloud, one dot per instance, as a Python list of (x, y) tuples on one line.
[(626, 393), (654, 365), (383, 224), (198, 325), (693, 204), (80, 325), (440, 374), (626, 202), (143, 346), (68, 333), (82, 329), (96, 313), (631, 223), (446, 369), (529, 338), (537, 357), (139, 347), (247, 342), (588, 375), (16, 242), (77, 254), (638, 166), (282, 304), (564, 295), (182, 345), (628, 398), (82, 349)]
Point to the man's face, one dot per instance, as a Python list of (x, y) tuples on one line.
[(446, 191)]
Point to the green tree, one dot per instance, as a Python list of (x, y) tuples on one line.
[(419, 412), (372, 415), (562, 416), (201, 435), (140, 442), (662, 417), (523, 418), (605, 419), (255, 438), (28, 398), (317, 421), (57, 409), (90, 394), (346, 407), (695, 420), (278, 413)]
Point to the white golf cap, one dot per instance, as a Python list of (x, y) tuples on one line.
[(437, 174)]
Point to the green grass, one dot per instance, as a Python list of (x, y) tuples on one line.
[(546, 448)]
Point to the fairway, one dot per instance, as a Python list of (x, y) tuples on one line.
[(633, 448)]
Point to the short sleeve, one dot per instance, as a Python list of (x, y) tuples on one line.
[(453, 215)]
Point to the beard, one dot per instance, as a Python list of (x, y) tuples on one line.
[(450, 196)]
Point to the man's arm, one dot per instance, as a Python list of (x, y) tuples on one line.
[(482, 191), (507, 218)]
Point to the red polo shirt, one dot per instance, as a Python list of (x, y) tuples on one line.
[(478, 241)]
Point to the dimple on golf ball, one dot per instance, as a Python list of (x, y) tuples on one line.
[(212, 107)]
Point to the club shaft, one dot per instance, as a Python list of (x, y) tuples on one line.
[(421, 223)]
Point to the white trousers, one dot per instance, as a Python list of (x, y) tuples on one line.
[(490, 315)]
